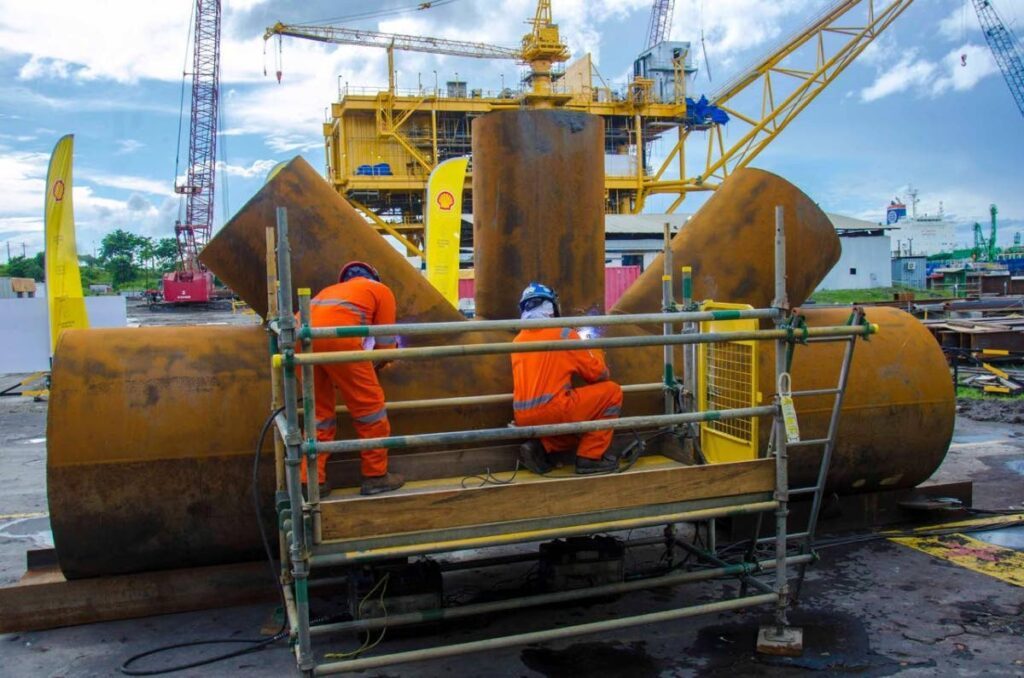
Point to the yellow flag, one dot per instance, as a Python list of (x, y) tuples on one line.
[(444, 226), (63, 280)]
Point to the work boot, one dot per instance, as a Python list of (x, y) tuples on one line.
[(378, 484), (533, 457), (325, 488), (609, 463)]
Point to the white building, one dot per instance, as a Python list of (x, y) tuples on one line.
[(636, 239), (865, 260)]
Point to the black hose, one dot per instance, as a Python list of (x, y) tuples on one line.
[(252, 644)]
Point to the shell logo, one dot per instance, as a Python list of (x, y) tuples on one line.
[(445, 200), (58, 190)]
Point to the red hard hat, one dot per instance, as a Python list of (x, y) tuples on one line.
[(347, 269)]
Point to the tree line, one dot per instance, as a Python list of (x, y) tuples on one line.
[(123, 258)]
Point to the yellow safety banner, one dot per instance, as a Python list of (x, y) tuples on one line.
[(444, 226), (63, 279)]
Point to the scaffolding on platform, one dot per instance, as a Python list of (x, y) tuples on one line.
[(314, 533)]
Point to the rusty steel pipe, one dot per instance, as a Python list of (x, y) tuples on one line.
[(150, 431), (728, 244), (538, 209)]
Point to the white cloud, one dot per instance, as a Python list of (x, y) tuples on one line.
[(42, 67), (23, 176), (126, 146), (909, 73), (125, 182), (965, 67), (959, 70), (258, 168)]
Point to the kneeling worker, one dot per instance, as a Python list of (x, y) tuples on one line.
[(359, 298), (543, 392)]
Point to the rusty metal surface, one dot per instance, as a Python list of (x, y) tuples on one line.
[(538, 209), (898, 413), (325, 232), (150, 440), (150, 431), (729, 244)]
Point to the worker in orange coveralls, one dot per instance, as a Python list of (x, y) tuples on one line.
[(359, 298), (543, 392)]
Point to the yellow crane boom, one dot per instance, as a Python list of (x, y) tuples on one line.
[(763, 99)]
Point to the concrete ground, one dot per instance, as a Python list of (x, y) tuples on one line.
[(874, 609)]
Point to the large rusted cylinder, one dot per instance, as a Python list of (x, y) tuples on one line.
[(538, 209), (729, 244), (898, 413), (150, 438), (151, 431)]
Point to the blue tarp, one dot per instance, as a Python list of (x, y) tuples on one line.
[(701, 112)]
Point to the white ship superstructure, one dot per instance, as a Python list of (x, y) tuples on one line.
[(924, 234)]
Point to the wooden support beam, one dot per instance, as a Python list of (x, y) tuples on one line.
[(445, 504), (44, 599)]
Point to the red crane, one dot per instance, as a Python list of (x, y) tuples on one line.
[(191, 282)]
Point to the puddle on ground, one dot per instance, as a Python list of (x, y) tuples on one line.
[(34, 530), (1016, 465), (834, 643), (1007, 537), (967, 438), (609, 660)]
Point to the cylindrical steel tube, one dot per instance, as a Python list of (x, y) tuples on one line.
[(728, 245), (504, 348), (538, 209)]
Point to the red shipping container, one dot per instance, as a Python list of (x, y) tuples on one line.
[(617, 279)]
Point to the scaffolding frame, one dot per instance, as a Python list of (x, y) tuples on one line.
[(299, 516)]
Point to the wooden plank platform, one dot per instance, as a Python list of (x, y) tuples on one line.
[(44, 599), (446, 504)]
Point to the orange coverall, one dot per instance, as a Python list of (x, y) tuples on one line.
[(543, 392), (359, 301)]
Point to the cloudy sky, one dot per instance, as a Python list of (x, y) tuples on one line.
[(906, 113)]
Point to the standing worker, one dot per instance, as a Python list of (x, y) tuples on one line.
[(543, 392), (359, 298)]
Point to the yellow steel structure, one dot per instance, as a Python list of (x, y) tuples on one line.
[(410, 131)]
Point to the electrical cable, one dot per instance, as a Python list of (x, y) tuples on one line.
[(489, 478), (253, 644), (367, 645)]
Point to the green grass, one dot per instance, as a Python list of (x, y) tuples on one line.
[(968, 393), (872, 294)]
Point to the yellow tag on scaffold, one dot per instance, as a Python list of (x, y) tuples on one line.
[(788, 410)]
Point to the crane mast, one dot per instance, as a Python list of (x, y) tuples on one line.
[(191, 282), (1006, 48), (661, 22)]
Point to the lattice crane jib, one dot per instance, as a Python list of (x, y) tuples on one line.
[(1006, 49), (661, 22), (198, 188)]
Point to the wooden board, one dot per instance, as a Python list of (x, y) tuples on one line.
[(44, 599), (441, 504)]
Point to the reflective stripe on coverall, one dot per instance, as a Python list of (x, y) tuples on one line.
[(359, 301), (543, 392)]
